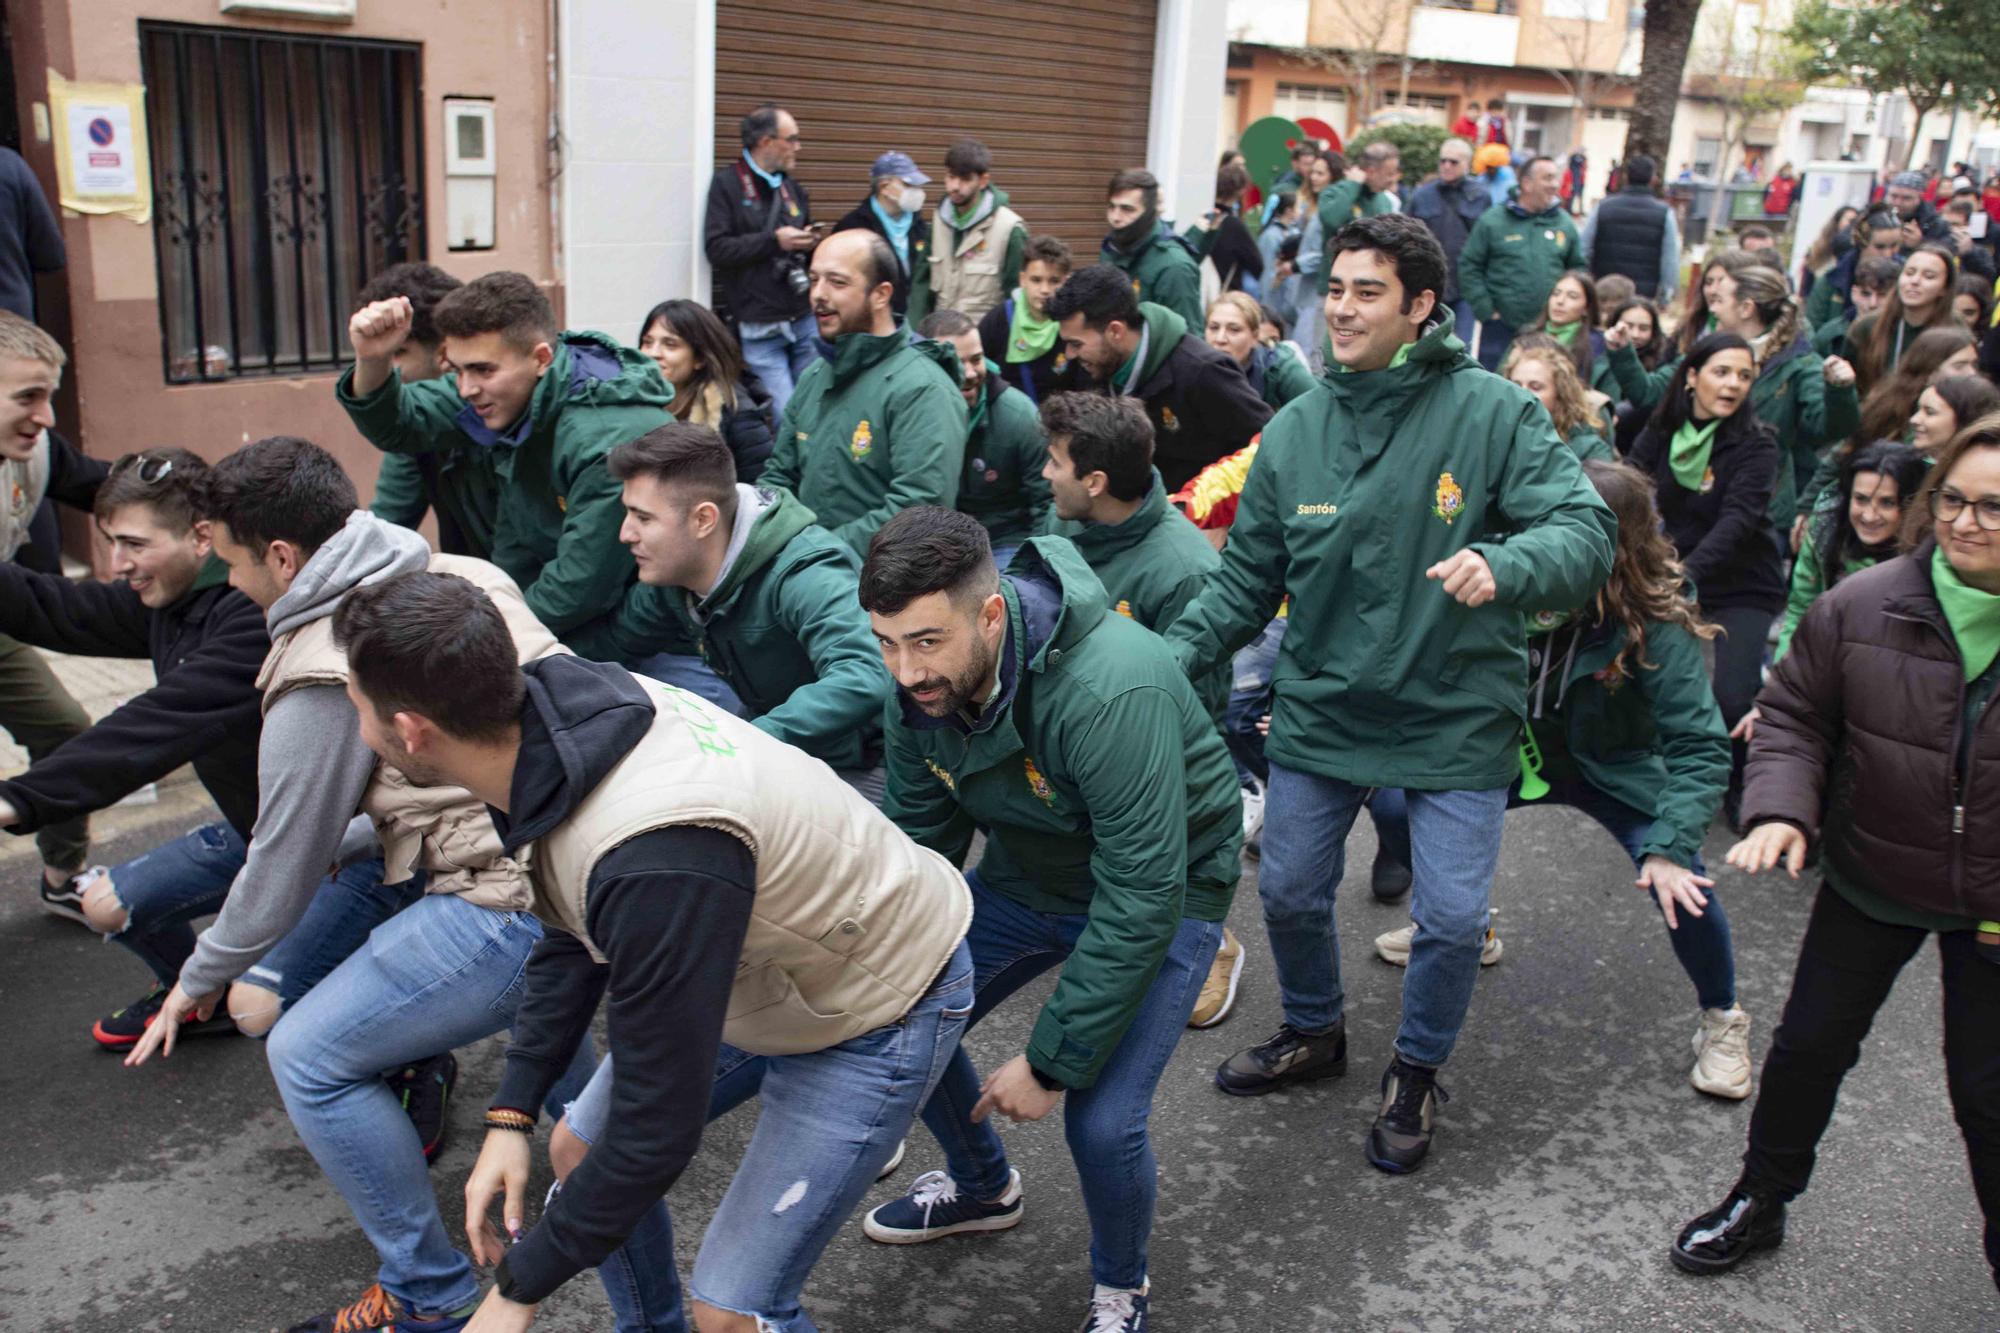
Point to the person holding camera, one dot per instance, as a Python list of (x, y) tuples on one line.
[(759, 238)]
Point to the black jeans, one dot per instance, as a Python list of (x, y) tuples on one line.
[(1739, 671), (1847, 963)]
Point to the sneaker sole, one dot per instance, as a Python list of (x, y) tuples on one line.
[(895, 1160), (118, 1041), (1689, 1263), (67, 913), (897, 1236), (1229, 999), (1392, 1166), (1729, 1092), (1284, 1081)]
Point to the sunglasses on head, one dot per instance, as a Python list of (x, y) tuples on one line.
[(151, 470)]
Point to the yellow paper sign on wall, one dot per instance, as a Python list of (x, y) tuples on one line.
[(100, 138)]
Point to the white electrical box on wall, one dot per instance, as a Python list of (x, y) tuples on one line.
[(469, 172)]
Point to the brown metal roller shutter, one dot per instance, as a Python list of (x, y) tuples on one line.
[(1059, 92)]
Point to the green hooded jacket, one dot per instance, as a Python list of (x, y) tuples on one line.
[(400, 494), (879, 428), (1002, 485), (784, 626), (1385, 680), (1339, 204), (1165, 271), (1286, 376), (536, 495), (1151, 566), (1589, 444), (1103, 787), (1512, 259)]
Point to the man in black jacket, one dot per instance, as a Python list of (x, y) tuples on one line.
[(172, 604), (1449, 204), (1633, 232), (894, 210), (758, 237), (1200, 404)]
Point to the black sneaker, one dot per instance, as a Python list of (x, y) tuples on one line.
[(120, 1031), (425, 1091), (66, 899), (1725, 1236), (1401, 1134), (1290, 1056), (1389, 879)]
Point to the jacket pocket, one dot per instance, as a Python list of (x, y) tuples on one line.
[(768, 1016)]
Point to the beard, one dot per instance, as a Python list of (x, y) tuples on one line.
[(958, 691)]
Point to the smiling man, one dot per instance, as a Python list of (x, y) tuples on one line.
[(1413, 507), (526, 414)]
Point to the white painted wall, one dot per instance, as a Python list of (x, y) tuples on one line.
[(1190, 61), (637, 106)]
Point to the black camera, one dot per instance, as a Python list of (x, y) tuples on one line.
[(796, 277)]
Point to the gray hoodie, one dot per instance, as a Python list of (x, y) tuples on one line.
[(312, 767)]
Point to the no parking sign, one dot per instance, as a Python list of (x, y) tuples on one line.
[(101, 162)]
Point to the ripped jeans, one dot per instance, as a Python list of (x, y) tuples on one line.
[(827, 1123)]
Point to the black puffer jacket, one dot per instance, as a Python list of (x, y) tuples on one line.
[(746, 427)]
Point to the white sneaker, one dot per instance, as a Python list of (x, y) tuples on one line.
[(1394, 947), (1722, 1054), (895, 1160), (1253, 810)]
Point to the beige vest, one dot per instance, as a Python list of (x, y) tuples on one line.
[(23, 483), (965, 266), (852, 921), (443, 830)]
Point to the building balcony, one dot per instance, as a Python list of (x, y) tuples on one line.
[(1475, 32)]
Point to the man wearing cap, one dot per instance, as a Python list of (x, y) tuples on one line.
[(1906, 195), (894, 210)]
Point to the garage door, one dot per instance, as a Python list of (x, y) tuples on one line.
[(1059, 92)]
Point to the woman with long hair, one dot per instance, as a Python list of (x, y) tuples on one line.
[(1920, 300), (1835, 239), (1715, 466), (1972, 302), (1934, 356), (1877, 750), (1570, 317), (1946, 407), (698, 356), (1542, 366), (1623, 727), (1858, 529), (1278, 374)]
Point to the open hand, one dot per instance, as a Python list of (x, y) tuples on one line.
[(1675, 886), (173, 1012), (1768, 844)]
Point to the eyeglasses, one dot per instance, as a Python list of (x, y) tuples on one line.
[(1947, 505), (151, 470)]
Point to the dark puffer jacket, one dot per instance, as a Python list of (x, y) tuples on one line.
[(1863, 719)]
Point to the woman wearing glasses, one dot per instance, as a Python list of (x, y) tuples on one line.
[(1880, 713)]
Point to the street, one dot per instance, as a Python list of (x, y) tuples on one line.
[(177, 1196)]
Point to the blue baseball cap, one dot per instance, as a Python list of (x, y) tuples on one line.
[(900, 165)]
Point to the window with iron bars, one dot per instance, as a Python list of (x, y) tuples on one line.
[(286, 170)]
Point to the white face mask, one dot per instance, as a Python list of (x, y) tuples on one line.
[(911, 200)]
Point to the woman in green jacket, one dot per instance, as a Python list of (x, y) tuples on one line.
[(1622, 726), (1278, 374), (1571, 318), (1540, 364), (1858, 530), (1920, 300)]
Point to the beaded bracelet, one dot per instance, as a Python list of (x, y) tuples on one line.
[(519, 1121)]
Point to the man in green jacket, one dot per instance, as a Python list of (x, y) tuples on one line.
[(1002, 485), (1378, 167), (1414, 510), (766, 594), (880, 425), (1164, 268), (1511, 261), (525, 420), (1027, 708)]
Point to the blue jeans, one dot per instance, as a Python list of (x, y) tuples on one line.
[(688, 672), (164, 889), (1106, 1123), (831, 1117), (437, 976), (1250, 699), (1462, 320), (780, 355), (1494, 335), (349, 904), (1456, 845), (1700, 942)]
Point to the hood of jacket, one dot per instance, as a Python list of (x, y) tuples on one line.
[(578, 721), (366, 550), (1378, 398), (1163, 233), (589, 369), (1164, 330), (765, 521), (1546, 215), (1106, 539), (1799, 347), (855, 354)]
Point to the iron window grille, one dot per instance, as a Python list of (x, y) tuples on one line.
[(286, 170)]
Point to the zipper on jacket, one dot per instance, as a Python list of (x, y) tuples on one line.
[(1961, 774)]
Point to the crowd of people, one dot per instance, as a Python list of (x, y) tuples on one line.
[(738, 638)]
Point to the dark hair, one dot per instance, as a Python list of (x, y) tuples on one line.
[(1419, 260), (968, 157), (1284, 202), (1102, 293), (164, 480), (1660, 347), (923, 550), (1979, 289), (1981, 434), (1959, 204), (1640, 169), (760, 124), (1104, 434), (1878, 273), (881, 265), (1475, 106), (1647, 585), (717, 358), (509, 304), (424, 284), (1756, 231), (1579, 350), (682, 454), (1049, 250), (280, 489), (434, 645), (1677, 407), (1375, 153), (1833, 537), (1969, 397), (1304, 148), (1231, 181), (946, 324), (1877, 356), (1529, 165), (1886, 407), (1613, 290), (1136, 178), (1879, 217)]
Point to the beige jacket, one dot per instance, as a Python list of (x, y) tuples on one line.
[(852, 921), (965, 266)]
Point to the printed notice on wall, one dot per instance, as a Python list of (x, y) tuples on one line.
[(100, 134)]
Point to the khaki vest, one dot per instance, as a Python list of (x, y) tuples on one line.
[(852, 921), (965, 276), (442, 830), (26, 482)]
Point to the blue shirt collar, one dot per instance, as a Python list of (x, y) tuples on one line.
[(775, 182)]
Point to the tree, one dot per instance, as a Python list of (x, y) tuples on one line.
[(1936, 53), (1416, 145), (1669, 30), (1744, 68), (1361, 52)]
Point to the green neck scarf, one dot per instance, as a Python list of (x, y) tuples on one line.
[(1028, 338), (1688, 454), (1402, 355), (1974, 616), (1563, 333)]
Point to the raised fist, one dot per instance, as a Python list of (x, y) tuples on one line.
[(379, 328)]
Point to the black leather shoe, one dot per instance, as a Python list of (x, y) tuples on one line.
[(1724, 1237), (1389, 879), (1288, 1057)]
